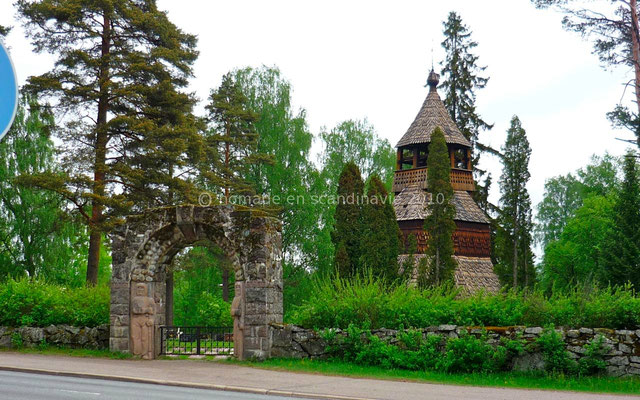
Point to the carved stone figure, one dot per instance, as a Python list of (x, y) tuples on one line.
[(237, 312), (142, 322)]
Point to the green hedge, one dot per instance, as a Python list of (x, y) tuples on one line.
[(368, 302), (35, 303)]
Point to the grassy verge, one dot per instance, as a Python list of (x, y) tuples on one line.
[(512, 379), (64, 351)]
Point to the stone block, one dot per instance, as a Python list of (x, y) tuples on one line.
[(120, 332), (447, 328), (529, 362), (618, 361), (533, 330), (624, 348), (119, 344)]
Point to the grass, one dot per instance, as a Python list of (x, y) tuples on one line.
[(66, 351), (522, 380)]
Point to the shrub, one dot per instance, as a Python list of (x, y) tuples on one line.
[(592, 363), (366, 301), (555, 356), (468, 354), (34, 303)]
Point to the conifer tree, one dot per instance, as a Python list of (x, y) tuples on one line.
[(409, 263), (514, 235), (232, 148), (461, 79), (119, 67), (380, 236), (621, 257), (439, 223), (233, 141), (347, 229)]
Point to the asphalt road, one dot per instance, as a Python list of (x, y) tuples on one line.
[(24, 386)]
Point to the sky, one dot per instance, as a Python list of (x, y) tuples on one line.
[(370, 59)]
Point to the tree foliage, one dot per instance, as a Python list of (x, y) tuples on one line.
[(348, 226), (513, 238), (439, 223), (37, 238), (622, 250), (576, 257), (564, 194), (380, 236), (291, 179)]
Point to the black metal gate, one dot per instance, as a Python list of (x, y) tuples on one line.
[(196, 340)]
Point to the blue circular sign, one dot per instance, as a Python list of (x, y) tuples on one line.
[(8, 91)]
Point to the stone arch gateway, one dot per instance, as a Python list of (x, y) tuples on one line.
[(145, 244)]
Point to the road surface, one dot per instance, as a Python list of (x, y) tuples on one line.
[(24, 386)]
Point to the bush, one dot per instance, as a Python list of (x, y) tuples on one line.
[(34, 303), (556, 358), (592, 363), (366, 301)]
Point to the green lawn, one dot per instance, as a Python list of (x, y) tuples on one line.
[(511, 379)]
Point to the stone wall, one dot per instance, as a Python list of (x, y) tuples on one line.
[(58, 335), (622, 358)]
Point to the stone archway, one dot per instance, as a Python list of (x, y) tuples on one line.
[(144, 245)]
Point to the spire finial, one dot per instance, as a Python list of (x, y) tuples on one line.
[(433, 80)]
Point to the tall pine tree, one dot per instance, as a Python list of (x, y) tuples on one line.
[(232, 141), (347, 228), (514, 233), (622, 253), (461, 80), (116, 62), (380, 236), (439, 223)]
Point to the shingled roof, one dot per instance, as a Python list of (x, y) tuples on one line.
[(432, 114), (472, 273), (411, 204)]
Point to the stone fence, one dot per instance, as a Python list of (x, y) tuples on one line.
[(58, 335), (622, 346)]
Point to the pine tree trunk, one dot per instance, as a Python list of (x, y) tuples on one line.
[(437, 266), (635, 44), (95, 236), (169, 298)]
